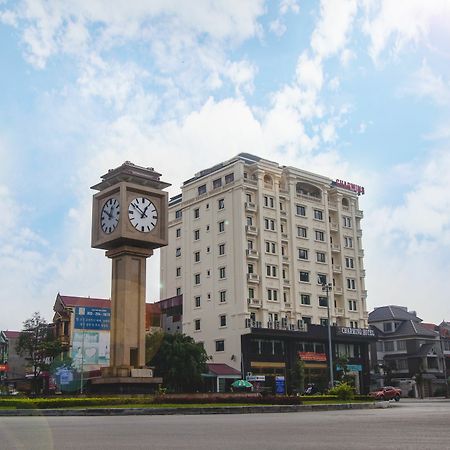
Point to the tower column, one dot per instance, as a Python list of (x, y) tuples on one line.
[(127, 337)]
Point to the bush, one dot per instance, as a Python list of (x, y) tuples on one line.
[(343, 392)]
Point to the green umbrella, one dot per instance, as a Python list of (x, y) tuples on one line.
[(241, 384)]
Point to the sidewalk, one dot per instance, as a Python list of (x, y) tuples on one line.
[(256, 409)]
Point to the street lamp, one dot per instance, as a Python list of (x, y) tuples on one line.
[(326, 287)]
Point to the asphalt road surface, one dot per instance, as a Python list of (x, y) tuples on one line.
[(406, 425)]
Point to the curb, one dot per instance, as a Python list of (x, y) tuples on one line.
[(184, 411)]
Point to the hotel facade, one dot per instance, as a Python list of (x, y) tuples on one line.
[(250, 244)]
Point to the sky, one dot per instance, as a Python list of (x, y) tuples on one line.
[(354, 90)]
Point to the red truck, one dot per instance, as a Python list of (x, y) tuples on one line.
[(387, 393)]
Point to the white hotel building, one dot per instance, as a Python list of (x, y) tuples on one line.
[(249, 243)]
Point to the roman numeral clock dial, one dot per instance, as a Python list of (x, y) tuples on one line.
[(109, 217), (143, 214)]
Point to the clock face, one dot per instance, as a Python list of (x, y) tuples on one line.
[(109, 217), (143, 214)]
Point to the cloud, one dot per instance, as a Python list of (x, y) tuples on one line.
[(393, 26), (426, 84), (332, 30)]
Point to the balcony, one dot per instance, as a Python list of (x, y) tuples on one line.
[(364, 293), (283, 213), (252, 323), (251, 207), (335, 248), (286, 282), (361, 252), (250, 229), (340, 312), (253, 278), (252, 253), (337, 268), (363, 273), (359, 213), (287, 305), (359, 233), (254, 303), (334, 226), (285, 258), (338, 290), (284, 236)]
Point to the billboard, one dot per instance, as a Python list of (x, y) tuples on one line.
[(90, 339), (91, 318)]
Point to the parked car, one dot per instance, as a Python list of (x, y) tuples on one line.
[(387, 393)]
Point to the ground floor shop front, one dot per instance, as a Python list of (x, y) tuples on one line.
[(269, 357)]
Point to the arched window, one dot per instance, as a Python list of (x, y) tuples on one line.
[(345, 202), (268, 181), (308, 190)]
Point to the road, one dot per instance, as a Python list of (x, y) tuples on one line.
[(406, 425)]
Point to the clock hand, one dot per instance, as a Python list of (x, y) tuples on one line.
[(137, 207)]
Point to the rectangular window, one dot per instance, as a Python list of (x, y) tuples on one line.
[(305, 299), (221, 203), (202, 189), (304, 277), (388, 346), (220, 346), (196, 235), (401, 345), (197, 278), (272, 294), (221, 273), (198, 301), (352, 305), (271, 271), (251, 293), (301, 232), (300, 210), (269, 224), (306, 320), (268, 201), (178, 291), (349, 263), (353, 324), (320, 236), (347, 221), (324, 322), (197, 324), (387, 327), (221, 249), (249, 198), (178, 251), (271, 247), (178, 232), (351, 283), (221, 226), (318, 214), (196, 213), (250, 245), (229, 178), (250, 268), (249, 221), (320, 257), (196, 256), (348, 242), (178, 214), (217, 183), (178, 271), (321, 278), (223, 320), (323, 301), (223, 296), (302, 253)]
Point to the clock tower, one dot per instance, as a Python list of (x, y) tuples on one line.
[(129, 220)]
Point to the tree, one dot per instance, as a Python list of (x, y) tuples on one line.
[(298, 377), (38, 344), (178, 359)]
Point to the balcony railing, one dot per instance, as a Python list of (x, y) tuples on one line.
[(252, 253), (253, 277), (254, 302), (249, 206), (250, 229), (335, 248), (337, 268)]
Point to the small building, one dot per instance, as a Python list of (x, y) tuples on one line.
[(171, 310), (14, 365), (83, 326), (407, 353)]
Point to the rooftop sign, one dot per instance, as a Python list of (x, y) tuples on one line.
[(349, 186), (345, 331)]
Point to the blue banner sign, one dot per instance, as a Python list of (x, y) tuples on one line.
[(280, 385), (91, 318)]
